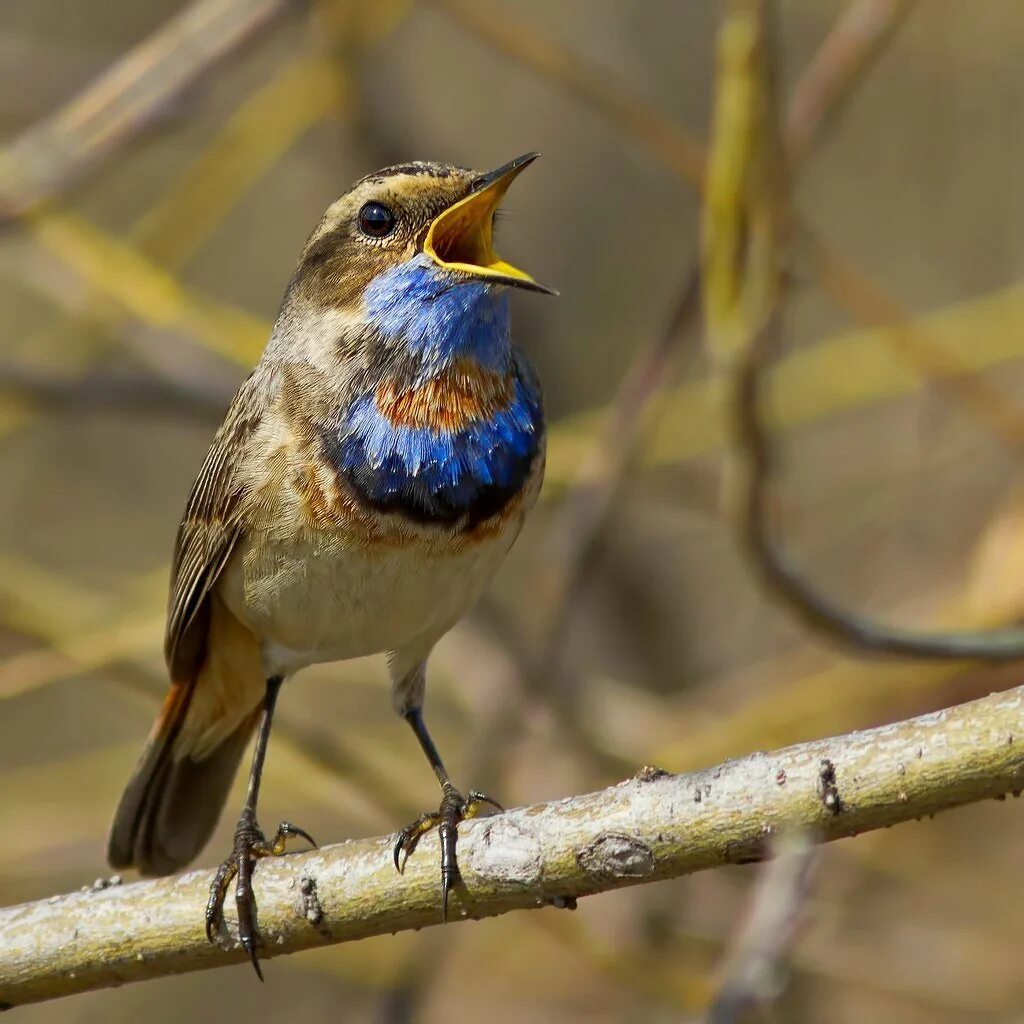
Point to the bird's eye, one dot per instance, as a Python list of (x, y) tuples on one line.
[(376, 220)]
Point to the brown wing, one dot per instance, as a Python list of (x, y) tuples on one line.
[(209, 530)]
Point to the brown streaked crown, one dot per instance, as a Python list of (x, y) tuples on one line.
[(338, 260)]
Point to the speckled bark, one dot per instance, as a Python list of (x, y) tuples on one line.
[(652, 826)]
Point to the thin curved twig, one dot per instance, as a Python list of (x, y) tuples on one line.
[(758, 458)]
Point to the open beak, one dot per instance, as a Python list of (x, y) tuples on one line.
[(462, 238)]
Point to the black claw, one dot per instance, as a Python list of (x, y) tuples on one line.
[(409, 838), (286, 829), (476, 797), (284, 832), (250, 948)]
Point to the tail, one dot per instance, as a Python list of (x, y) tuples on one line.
[(173, 800)]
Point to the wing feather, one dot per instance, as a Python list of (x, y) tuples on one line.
[(210, 528)]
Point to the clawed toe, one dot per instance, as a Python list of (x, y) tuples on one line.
[(250, 846), (409, 836), (454, 809)]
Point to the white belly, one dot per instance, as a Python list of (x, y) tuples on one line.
[(346, 600)]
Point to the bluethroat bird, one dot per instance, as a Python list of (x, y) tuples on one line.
[(370, 476)]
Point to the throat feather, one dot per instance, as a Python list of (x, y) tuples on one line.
[(457, 449), (451, 400), (418, 307)]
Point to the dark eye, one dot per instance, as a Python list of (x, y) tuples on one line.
[(376, 220)]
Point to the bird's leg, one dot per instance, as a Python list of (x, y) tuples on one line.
[(454, 808), (249, 846)]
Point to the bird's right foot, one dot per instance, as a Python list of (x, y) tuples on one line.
[(250, 846)]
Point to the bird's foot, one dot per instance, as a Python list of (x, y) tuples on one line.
[(250, 846), (454, 808)]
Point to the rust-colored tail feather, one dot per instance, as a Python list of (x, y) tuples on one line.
[(173, 800)]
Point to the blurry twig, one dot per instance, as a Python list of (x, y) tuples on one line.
[(751, 973), (148, 292), (605, 469), (758, 457), (56, 152), (745, 239), (745, 218), (499, 27), (662, 974), (263, 128), (851, 370), (855, 292), (858, 37), (651, 827), (145, 395), (132, 278), (852, 45)]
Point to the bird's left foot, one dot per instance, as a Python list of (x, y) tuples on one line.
[(250, 846), (454, 808)]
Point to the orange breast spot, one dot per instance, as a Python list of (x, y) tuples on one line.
[(462, 394)]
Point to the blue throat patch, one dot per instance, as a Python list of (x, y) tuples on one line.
[(441, 476), (417, 304)]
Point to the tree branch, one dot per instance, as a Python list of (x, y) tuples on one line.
[(651, 827)]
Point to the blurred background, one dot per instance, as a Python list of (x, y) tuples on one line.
[(146, 251)]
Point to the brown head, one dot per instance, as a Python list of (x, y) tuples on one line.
[(389, 217)]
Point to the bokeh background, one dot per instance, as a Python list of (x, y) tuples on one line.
[(626, 627)]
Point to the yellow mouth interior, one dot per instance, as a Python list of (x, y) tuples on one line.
[(462, 238)]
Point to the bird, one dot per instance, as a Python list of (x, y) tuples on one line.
[(370, 476)]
